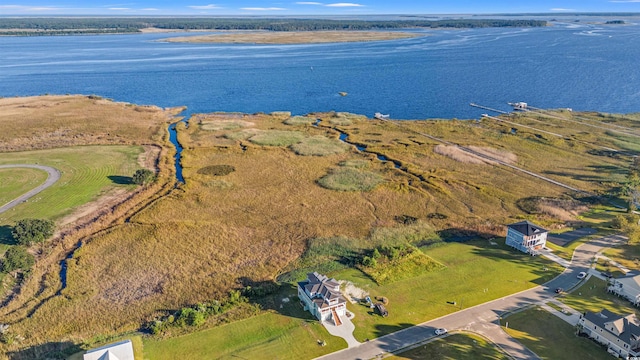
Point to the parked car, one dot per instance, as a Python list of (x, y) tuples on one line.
[(559, 290), (441, 331), (582, 275)]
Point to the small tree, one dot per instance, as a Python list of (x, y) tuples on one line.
[(143, 176), (17, 258), (28, 231)]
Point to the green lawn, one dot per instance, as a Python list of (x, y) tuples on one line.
[(475, 272), (592, 296), (454, 347), (86, 172), (626, 255), (267, 336), (550, 337), (17, 181)]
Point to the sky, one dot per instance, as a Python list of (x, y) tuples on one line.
[(288, 7)]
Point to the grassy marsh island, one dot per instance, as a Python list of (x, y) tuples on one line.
[(269, 197), (295, 37)]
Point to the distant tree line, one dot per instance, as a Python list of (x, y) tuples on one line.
[(70, 26)]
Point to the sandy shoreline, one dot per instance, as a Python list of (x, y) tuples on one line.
[(294, 37)]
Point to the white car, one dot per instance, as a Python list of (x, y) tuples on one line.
[(582, 275), (441, 331)]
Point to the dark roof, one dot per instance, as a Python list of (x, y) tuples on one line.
[(527, 228), (317, 284), (627, 329)]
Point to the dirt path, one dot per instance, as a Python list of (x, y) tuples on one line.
[(54, 175)]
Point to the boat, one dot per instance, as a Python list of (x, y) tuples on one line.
[(342, 93), (522, 106), (381, 116)]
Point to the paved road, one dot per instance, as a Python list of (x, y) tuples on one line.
[(484, 318), (54, 175)]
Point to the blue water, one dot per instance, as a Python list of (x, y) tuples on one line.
[(576, 65)]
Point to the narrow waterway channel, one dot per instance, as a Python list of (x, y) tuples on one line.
[(173, 138)]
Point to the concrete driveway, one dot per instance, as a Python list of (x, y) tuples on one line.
[(344, 331)]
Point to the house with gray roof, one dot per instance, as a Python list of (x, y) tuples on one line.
[(619, 333), (627, 286), (122, 350), (526, 237), (321, 297)]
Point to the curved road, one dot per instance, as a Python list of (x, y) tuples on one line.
[(54, 175), (484, 318)]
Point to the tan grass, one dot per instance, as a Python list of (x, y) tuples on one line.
[(197, 241), (216, 125), (319, 145), (458, 154), (59, 121)]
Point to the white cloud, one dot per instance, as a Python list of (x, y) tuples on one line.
[(29, 8), (262, 9), (561, 9), (150, 9), (344, 5), (205, 7)]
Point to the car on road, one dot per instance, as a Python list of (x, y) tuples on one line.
[(582, 275), (441, 331), (559, 290)]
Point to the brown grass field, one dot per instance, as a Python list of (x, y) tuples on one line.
[(294, 37), (219, 232), (44, 122)]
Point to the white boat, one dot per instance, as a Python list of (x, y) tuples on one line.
[(381, 116)]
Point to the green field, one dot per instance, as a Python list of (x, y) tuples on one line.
[(86, 172), (454, 347), (592, 296), (476, 272), (550, 337), (267, 336), (17, 181)]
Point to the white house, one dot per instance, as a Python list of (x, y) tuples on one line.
[(627, 287), (619, 333), (321, 297), (122, 350), (526, 237)]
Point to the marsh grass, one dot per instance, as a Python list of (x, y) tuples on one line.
[(57, 121), (277, 138), (242, 135), (350, 179), (300, 120), (206, 237), (319, 145), (407, 265), (355, 163), (215, 125)]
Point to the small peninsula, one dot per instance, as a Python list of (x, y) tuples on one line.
[(294, 37)]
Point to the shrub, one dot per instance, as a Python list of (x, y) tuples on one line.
[(17, 258), (319, 146), (350, 179), (143, 176), (28, 231), (217, 170)]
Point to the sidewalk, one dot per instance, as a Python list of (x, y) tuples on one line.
[(555, 258), (567, 314)]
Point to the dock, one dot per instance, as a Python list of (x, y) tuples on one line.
[(488, 108)]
